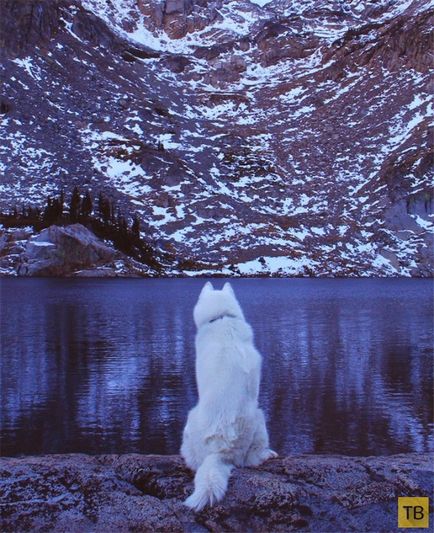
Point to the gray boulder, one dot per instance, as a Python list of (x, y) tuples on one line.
[(61, 250)]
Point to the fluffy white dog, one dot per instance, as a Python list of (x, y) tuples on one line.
[(226, 428)]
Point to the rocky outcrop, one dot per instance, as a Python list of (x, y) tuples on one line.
[(64, 251), (35, 23), (24, 25), (133, 492), (177, 6), (180, 17), (58, 251), (12, 246)]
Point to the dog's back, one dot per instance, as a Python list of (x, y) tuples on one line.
[(226, 428)]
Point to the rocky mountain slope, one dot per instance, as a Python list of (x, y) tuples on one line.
[(286, 137), (133, 492)]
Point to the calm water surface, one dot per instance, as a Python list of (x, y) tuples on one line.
[(104, 366)]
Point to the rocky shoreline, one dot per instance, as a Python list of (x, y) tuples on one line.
[(64, 251), (74, 251), (133, 492)]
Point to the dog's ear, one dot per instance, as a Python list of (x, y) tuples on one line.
[(227, 287), (206, 288)]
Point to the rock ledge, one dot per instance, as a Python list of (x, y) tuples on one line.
[(133, 492)]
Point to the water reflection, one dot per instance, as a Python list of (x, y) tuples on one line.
[(108, 366)]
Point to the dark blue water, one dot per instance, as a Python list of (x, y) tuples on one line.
[(104, 366)]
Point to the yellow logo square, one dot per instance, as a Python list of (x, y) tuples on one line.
[(413, 512)]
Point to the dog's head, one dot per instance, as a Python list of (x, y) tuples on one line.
[(213, 304)]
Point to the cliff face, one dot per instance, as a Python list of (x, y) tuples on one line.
[(292, 138), (144, 493)]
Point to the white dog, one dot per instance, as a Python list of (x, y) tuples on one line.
[(225, 428)]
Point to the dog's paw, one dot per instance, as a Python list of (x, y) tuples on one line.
[(259, 457), (269, 454)]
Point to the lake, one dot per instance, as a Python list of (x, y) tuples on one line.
[(107, 366)]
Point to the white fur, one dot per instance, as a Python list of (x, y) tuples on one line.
[(225, 428)]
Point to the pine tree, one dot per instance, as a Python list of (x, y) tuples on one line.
[(101, 201), (112, 205), (121, 224), (61, 202), (50, 212), (58, 208), (135, 227), (87, 205), (103, 207), (74, 206)]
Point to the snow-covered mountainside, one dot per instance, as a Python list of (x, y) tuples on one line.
[(287, 137)]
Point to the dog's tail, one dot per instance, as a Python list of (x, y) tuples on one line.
[(210, 482)]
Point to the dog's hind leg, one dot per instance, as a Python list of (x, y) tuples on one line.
[(190, 449), (259, 450)]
